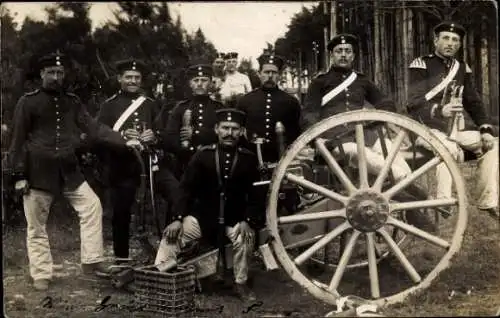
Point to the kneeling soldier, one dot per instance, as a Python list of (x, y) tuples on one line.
[(219, 178)]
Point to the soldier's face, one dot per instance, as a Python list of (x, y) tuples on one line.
[(52, 76), (342, 55), (269, 75), (200, 85), (130, 81), (447, 43), (231, 64), (228, 132), (219, 64)]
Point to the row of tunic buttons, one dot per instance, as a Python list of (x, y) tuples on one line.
[(226, 168), (200, 124), (346, 94), (58, 119), (268, 113)]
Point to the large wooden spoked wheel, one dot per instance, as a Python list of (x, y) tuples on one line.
[(362, 205)]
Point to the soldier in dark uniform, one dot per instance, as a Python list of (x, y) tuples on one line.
[(132, 114), (440, 73), (48, 125), (222, 168), (218, 76), (191, 124), (267, 105)]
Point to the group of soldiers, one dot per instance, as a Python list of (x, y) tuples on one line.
[(210, 135)]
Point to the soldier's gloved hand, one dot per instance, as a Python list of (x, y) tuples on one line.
[(134, 143), (131, 133), (450, 108), (147, 137), (186, 133), (22, 187), (173, 231)]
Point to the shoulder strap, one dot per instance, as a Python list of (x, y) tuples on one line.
[(334, 92), (440, 86), (126, 114)]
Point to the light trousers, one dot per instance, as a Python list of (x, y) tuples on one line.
[(36, 209), (487, 168), (242, 250)]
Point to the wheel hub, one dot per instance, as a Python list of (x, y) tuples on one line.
[(367, 211)]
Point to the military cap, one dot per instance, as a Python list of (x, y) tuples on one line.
[(449, 26), (231, 55), (231, 114), (344, 38), (271, 59), (53, 59), (221, 56), (199, 70), (130, 65)]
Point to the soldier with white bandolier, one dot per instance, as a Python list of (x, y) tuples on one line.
[(218, 186), (436, 77)]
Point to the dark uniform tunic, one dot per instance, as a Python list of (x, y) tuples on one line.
[(428, 71), (352, 98), (200, 189), (48, 128), (124, 169), (203, 121), (264, 108)]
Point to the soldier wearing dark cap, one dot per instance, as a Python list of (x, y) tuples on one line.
[(219, 176), (218, 75), (191, 124), (133, 114), (268, 105), (48, 127), (433, 79)]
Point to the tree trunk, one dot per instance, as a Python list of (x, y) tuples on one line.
[(485, 86), (377, 41), (493, 74), (408, 49)]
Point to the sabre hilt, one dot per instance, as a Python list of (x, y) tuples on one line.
[(280, 136), (454, 125), (186, 123)]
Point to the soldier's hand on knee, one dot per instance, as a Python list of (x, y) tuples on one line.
[(22, 187), (173, 231), (488, 141)]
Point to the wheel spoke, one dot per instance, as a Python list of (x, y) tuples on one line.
[(377, 185), (304, 242), (311, 216), (372, 265), (334, 166), (344, 260), (412, 177), (317, 188), (418, 232), (321, 243), (422, 204), (362, 163), (401, 257)]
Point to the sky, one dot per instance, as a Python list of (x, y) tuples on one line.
[(243, 26)]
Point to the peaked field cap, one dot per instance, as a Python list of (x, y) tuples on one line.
[(220, 56), (271, 59), (196, 70), (131, 64), (450, 26), (231, 114), (231, 55), (53, 59), (344, 38)]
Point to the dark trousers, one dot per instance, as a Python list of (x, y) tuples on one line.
[(123, 199)]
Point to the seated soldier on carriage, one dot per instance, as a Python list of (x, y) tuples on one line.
[(342, 89), (441, 87), (217, 200)]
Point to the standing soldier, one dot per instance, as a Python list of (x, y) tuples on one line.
[(218, 76), (268, 105), (433, 78), (217, 197), (235, 83), (132, 114), (191, 124), (47, 126)]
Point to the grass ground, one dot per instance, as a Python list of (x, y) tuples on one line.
[(473, 280)]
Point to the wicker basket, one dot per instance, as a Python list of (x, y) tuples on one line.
[(167, 294)]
